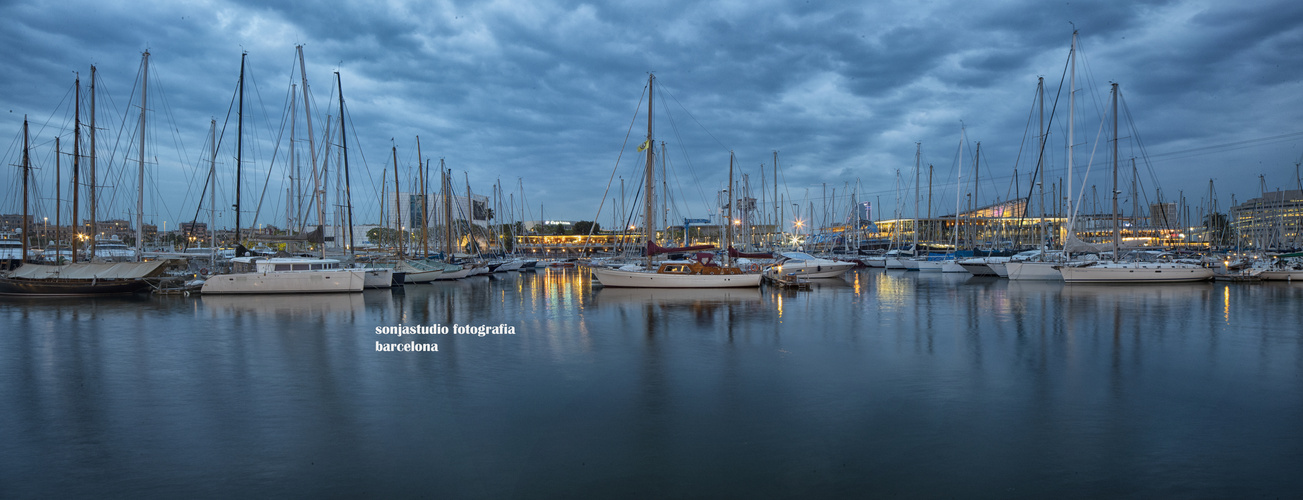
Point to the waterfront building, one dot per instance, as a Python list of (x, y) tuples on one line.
[(1269, 222)]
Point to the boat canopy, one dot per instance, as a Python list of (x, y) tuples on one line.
[(90, 270)]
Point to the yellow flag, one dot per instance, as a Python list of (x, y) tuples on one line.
[(644, 146)]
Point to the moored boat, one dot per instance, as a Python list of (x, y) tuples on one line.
[(1135, 272), (804, 265), (286, 275)]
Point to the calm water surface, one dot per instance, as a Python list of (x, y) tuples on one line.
[(880, 384)]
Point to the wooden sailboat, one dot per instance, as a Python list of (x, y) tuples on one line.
[(76, 278), (696, 274)]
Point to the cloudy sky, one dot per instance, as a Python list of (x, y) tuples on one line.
[(542, 95)]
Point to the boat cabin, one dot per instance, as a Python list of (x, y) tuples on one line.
[(282, 264), (696, 268)]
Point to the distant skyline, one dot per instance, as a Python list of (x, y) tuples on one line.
[(541, 95)]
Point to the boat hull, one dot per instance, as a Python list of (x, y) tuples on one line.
[(951, 266), (1140, 273), (1288, 275), (71, 287), (998, 268), (644, 279), (1035, 271), (377, 277), (819, 271), (978, 269), (454, 275), (929, 265), (332, 281)]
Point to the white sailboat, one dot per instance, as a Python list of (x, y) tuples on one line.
[(1134, 271)]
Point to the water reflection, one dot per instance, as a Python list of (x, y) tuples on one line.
[(878, 383), (293, 306)]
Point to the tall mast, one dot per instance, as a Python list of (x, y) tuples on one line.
[(325, 183), (398, 211), (977, 162), (648, 219), (140, 192), (343, 140), (1072, 90), (58, 192), (665, 188), (239, 148), (959, 183), (1117, 230), (1040, 185), (918, 153), (27, 167), (76, 170), (425, 213), (317, 193), (778, 223), (212, 192), (90, 187), (470, 215), (728, 223), (295, 174), (447, 210)]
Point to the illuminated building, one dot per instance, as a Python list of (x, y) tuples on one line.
[(1269, 222)]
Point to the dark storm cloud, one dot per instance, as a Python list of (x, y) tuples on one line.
[(544, 92)]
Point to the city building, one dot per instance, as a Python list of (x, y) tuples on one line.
[(1269, 222)]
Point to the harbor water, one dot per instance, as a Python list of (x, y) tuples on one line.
[(876, 384)]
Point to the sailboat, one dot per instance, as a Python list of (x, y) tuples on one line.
[(1042, 264), (1133, 271), (951, 264), (79, 278), (701, 273), (259, 275)]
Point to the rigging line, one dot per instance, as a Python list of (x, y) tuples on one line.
[(183, 158), (1138, 143), (358, 148), (1040, 157), (199, 205), (618, 157), (113, 198), (678, 184), (271, 166), (666, 90), (109, 159), (705, 201), (1226, 146), (692, 171), (1090, 163)]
